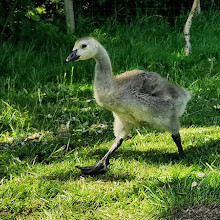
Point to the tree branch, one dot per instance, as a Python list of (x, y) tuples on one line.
[(187, 27)]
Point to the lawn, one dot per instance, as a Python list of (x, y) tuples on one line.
[(50, 123)]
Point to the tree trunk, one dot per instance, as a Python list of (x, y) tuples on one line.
[(70, 21), (198, 8), (187, 27)]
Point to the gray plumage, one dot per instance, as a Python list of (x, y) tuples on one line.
[(136, 98)]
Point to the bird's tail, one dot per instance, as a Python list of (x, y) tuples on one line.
[(183, 100)]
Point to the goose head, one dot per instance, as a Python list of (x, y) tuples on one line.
[(83, 49)]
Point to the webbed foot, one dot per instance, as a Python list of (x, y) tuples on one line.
[(99, 168)]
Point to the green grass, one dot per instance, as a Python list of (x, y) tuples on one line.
[(50, 122)]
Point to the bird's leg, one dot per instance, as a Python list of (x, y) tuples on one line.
[(101, 166), (177, 140)]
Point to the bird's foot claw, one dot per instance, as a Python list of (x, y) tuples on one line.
[(99, 168)]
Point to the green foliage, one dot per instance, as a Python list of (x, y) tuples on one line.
[(50, 122), (24, 19), (13, 120)]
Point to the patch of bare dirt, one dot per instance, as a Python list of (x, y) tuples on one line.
[(198, 212)]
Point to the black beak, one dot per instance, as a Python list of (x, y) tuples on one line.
[(72, 56)]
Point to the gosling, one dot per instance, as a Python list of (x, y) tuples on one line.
[(136, 98)]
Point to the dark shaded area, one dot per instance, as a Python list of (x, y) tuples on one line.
[(20, 19), (120, 177), (206, 152)]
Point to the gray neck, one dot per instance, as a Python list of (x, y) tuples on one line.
[(103, 69)]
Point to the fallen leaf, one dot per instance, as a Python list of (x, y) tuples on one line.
[(194, 184)]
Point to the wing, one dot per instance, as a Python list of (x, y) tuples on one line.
[(152, 84)]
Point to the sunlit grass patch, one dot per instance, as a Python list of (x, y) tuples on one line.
[(12, 121), (132, 184)]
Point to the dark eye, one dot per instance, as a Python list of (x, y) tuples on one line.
[(84, 46)]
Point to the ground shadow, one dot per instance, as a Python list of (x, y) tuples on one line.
[(49, 152), (194, 155), (75, 174)]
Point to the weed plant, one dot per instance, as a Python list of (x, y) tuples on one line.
[(50, 122)]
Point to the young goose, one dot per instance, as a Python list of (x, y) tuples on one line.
[(136, 98)]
